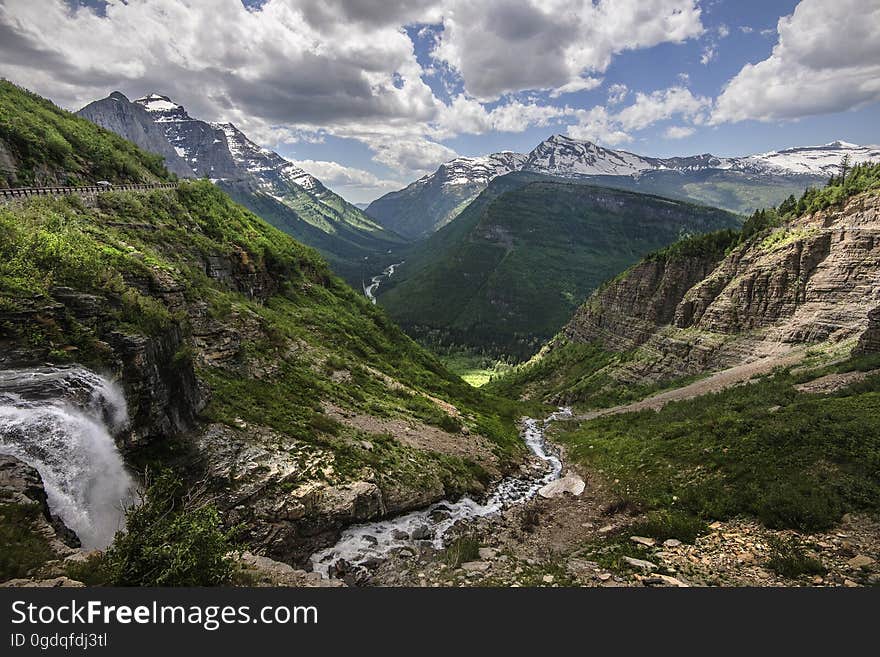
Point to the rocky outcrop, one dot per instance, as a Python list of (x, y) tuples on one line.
[(625, 314), (264, 571), (811, 281), (22, 485), (160, 385), (287, 493), (870, 340)]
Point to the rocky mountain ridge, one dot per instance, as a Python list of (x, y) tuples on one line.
[(435, 199)]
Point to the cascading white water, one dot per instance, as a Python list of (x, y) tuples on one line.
[(373, 287), (60, 421), (375, 540)]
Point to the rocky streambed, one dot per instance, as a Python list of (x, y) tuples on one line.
[(371, 288), (365, 546)]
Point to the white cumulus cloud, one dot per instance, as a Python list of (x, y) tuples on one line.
[(500, 47), (827, 59), (678, 131), (335, 174)]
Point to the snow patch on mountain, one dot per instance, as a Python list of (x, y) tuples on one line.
[(267, 166), (807, 160), (474, 170), (563, 156), (566, 157)]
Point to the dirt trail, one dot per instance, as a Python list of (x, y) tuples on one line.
[(714, 383)]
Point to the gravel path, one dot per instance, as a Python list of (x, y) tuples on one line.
[(714, 383)]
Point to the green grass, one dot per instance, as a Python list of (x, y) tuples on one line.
[(21, 548), (54, 147), (790, 459), (789, 559), (665, 524), (461, 550), (475, 369)]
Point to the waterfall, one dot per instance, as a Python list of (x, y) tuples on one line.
[(61, 421)]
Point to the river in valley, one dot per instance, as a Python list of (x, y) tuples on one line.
[(61, 421), (370, 542), (371, 288)]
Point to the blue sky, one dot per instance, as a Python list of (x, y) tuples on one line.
[(371, 94)]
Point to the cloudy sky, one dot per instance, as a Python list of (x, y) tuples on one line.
[(371, 94)]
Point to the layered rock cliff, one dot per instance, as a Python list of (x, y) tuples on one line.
[(813, 281)]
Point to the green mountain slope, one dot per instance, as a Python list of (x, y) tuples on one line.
[(735, 191), (508, 272), (355, 247), (245, 361), (41, 144)]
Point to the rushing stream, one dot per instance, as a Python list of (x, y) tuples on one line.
[(60, 420), (360, 544), (371, 288)]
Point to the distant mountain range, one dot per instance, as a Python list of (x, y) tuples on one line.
[(739, 184), (509, 271), (262, 180)]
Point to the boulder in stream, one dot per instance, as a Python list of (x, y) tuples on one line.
[(572, 484)]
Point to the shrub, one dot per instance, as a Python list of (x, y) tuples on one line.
[(789, 559), (461, 550), (799, 505), (23, 548), (670, 524), (173, 538)]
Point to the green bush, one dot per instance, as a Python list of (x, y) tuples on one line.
[(173, 538), (789, 559), (462, 550), (21, 547), (670, 524)]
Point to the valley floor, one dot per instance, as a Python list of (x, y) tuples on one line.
[(583, 542)]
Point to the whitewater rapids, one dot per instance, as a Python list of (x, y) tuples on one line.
[(61, 421), (363, 543)]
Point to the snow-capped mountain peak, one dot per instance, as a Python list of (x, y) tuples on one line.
[(560, 155), (477, 170), (162, 108), (267, 166), (821, 160)]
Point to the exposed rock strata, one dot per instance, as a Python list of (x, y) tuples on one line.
[(811, 281)]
